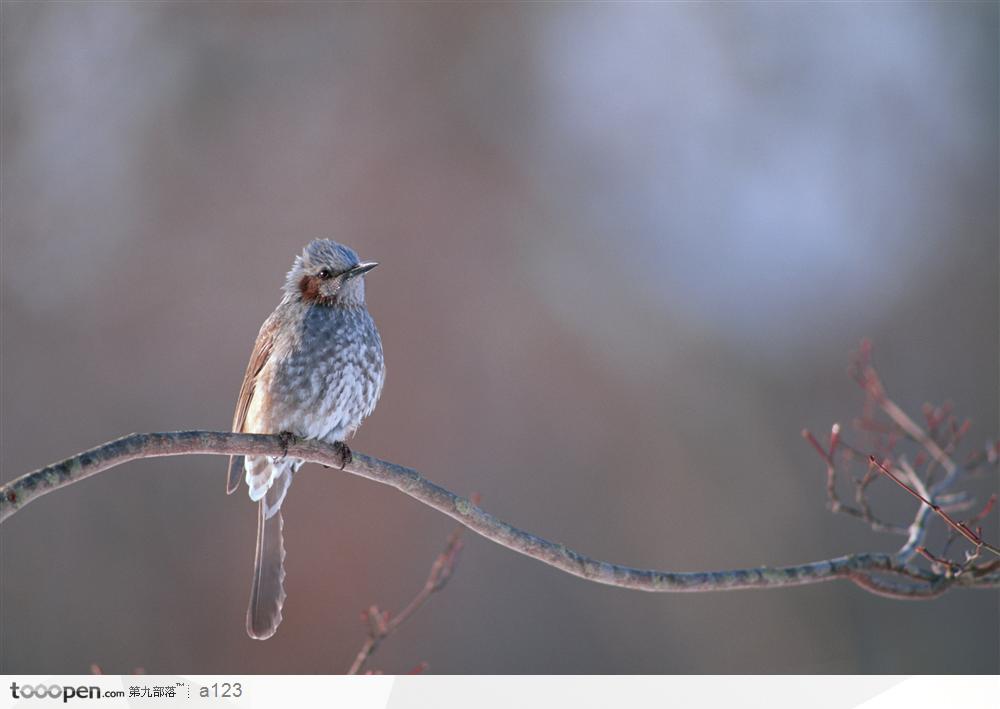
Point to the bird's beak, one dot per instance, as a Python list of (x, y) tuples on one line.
[(360, 269)]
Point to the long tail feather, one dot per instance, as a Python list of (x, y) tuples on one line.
[(267, 592)]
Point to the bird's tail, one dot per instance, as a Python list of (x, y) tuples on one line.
[(267, 592), (235, 473)]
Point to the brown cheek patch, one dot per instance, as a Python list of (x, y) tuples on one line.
[(309, 286)]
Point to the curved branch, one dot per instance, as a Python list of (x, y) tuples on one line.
[(865, 570)]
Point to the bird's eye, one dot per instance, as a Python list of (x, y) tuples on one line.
[(326, 274)]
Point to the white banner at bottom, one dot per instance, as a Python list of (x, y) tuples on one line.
[(499, 691)]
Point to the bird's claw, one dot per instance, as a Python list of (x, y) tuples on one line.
[(286, 438), (344, 452)]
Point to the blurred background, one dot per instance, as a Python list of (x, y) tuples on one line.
[(626, 253)]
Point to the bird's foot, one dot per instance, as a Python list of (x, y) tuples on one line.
[(287, 438), (344, 452)]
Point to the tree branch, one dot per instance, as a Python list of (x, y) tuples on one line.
[(936, 446), (864, 570), (381, 624), (959, 527)]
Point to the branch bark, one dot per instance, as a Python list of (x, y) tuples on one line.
[(878, 573)]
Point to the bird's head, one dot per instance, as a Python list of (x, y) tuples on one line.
[(328, 273)]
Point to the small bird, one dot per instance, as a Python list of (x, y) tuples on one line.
[(316, 371)]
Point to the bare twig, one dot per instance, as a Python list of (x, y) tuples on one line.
[(868, 378), (863, 510), (862, 569), (974, 520), (936, 446), (947, 565), (959, 527), (381, 625)]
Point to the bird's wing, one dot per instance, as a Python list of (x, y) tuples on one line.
[(261, 354)]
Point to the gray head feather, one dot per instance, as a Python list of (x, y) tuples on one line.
[(327, 254)]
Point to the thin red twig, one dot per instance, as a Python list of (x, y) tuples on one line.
[(381, 624), (959, 527), (949, 565), (863, 511)]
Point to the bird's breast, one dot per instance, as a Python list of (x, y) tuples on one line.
[(328, 375)]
